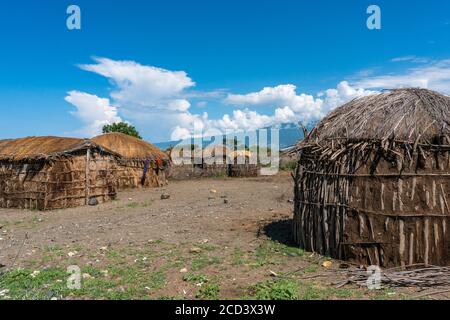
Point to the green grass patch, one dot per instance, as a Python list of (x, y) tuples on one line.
[(275, 290), (202, 261), (209, 291), (312, 291), (28, 285), (196, 278)]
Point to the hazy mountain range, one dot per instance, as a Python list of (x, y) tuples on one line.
[(289, 135)]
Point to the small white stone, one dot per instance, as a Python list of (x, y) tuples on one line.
[(35, 274), (4, 292)]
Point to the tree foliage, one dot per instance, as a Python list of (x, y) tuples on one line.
[(122, 127)]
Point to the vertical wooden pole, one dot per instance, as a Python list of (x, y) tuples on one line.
[(88, 158)]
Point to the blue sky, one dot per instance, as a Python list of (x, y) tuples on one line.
[(165, 65)]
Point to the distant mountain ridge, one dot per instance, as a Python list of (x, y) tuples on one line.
[(289, 134)]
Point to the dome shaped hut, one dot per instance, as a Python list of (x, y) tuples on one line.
[(141, 164), (372, 183), (47, 173)]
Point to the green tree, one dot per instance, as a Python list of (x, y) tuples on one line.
[(122, 127)]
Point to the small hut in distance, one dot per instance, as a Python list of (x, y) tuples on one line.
[(373, 181)]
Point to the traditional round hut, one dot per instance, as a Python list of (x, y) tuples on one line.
[(141, 164), (47, 173), (372, 183), (244, 164)]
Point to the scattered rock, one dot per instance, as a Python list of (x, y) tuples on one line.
[(213, 191), (184, 270), (87, 276), (35, 274), (104, 272), (290, 201), (71, 254), (271, 209), (273, 274), (195, 250), (4, 292), (93, 201), (103, 248), (165, 196), (327, 264)]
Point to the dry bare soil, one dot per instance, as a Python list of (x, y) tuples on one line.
[(213, 239)]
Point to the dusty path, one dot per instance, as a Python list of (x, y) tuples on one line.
[(193, 213)]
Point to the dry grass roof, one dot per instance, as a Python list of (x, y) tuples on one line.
[(410, 115), (241, 153), (129, 147), (42, 147), (216, 150)]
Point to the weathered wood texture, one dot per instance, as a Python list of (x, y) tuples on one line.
[(57, 183), (375, 203), (129, 174)]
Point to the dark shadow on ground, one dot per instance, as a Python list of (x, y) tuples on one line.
[(281, 231)]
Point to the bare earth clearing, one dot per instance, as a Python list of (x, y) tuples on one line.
[(199, 244)]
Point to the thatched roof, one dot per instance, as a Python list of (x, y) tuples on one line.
[(241, 153), (129, 147), (403, 114), (43, 147)]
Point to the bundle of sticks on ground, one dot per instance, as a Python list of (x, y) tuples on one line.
[(419, 276)]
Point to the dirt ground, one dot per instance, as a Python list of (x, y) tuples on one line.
[(214, 238)]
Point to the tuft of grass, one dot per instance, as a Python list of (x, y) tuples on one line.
[(237, 257), (311, 291), (132, 205), (288, 165), (157, 280), (311, 268), (196, 278), (208, 291), (202, 261), (22, 285), (275, 290)]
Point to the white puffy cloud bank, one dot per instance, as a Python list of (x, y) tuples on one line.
[(94, 112), (158, 100)]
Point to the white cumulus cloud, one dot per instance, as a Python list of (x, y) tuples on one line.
[(93, 111), (159, 101), (139, 86), (434, 75)]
